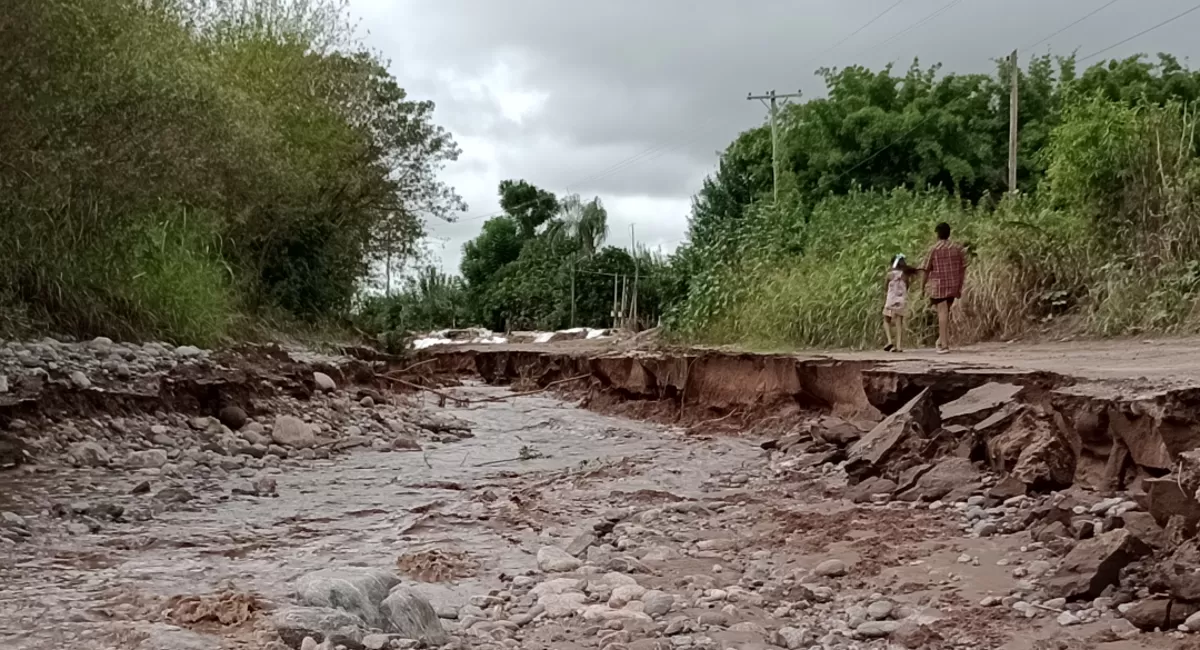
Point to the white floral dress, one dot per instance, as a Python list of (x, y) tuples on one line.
[(897, 294)]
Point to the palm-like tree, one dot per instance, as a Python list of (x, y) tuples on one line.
[(586, 223)]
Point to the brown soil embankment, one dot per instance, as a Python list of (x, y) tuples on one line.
[(1149, 424)]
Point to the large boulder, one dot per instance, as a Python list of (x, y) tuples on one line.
[(952, 479), (294, 624), (1094, 564), (1034, 451), (1159, 613), (978, 404), (1165, 499), (357, 591), (88, 454), (293, 432), (410, 615), (913, 422)]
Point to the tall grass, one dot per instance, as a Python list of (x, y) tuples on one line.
[(1110, 246), (156, 276)]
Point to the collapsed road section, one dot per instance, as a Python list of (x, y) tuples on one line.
[(178, 499)]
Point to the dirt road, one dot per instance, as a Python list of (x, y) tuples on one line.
[(1149, 362)]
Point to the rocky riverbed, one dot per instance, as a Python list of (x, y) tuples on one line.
[(288, 505)]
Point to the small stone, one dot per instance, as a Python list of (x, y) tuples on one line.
[(876, 629), (233, 417), (1067, 619), (551, 559), (989, 601), (657, 603), (324, 382), (367, 402), (291, 431), (831, 569), (188, 352), (1055, 603), (1193, 623), (794, 638), (880, 610), (80, 380), (985, 529)]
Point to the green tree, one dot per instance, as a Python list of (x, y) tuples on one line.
[(528, 205)]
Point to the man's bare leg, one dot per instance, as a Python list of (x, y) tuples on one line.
[(943, 316)]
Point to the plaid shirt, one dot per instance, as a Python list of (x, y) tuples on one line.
[(945, 269)]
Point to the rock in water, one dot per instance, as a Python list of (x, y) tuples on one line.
[(405, 443), (324, 382), (294, 624), (410, 615), (150, 458), (12, 451), (551, 559), (358, 591), (3, 384), (88, 454), (291, 431), (232, 417)]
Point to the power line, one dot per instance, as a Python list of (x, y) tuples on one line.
[(860, 29), (1141, 33), (919, 23), (1085, 17)]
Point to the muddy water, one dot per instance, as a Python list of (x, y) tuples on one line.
[(90, 590)]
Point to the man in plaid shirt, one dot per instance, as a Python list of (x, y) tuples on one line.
[(945, 269)]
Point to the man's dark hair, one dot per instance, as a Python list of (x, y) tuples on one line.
[(943, 230)]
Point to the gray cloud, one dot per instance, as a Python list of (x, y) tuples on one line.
[(663, 82)]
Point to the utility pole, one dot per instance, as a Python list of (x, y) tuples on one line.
[(1013, 109), (771, 100), (633, 311), (616, 315)]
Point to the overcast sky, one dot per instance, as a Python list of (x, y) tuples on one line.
[(631, 100)]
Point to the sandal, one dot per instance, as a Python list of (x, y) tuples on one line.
[(889, 348)]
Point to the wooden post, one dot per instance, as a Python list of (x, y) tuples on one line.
[(1013, 110)]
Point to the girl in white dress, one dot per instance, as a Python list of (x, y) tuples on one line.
[(895, 307)]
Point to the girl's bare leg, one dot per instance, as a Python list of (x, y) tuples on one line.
[(943, 316), (887, 329), (898, 321)]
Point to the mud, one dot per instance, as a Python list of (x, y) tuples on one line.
[(723, 507)]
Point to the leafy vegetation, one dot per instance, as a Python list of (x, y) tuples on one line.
[(1102, 239), (541, 265), (175, 168)]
